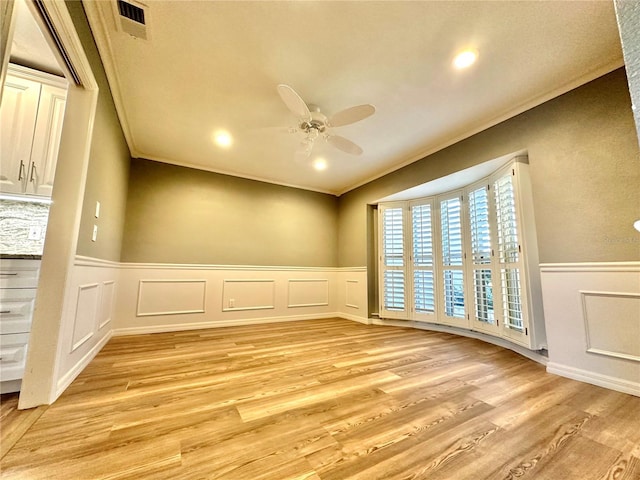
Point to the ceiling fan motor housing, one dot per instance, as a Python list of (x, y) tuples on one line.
[(318, 122)]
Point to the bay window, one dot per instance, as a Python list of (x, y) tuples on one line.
[(464, 259)]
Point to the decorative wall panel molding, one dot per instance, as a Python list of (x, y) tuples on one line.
[(308, 292), (85, 314), (170, 297), (248, 294), (612, 323), (106, 303), (352, 293)]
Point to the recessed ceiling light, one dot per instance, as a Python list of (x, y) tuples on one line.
[(320, 164), (465, 59), (223, 138), (636, 225)]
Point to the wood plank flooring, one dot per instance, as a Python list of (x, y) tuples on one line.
[(321, 400)]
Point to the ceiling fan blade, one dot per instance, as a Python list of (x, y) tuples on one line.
[(352, 115), (273, 130), (345, 145), (293, 101)]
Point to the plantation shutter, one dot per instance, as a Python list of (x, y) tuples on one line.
[(481, 256), (452, 256), (509, 252), (422, 259), (392, 262)]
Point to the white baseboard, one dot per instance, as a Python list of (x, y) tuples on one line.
[(178, 327), (354, 318), (71, 375), (612, 383)]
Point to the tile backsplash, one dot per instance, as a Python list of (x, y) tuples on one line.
[(22, 227)]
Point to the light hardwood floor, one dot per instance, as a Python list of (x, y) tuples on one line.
[(326, 399)]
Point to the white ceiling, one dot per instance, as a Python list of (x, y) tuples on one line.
[(29, 46), (210, 65)]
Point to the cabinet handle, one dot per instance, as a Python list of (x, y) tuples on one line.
[(21, 170), (33, 169), (10, 274), (5, 311)]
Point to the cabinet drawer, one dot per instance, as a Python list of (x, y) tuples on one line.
[(16, 309), (19, 273), (13, 355)]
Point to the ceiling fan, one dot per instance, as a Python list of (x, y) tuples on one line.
[(313, 123)]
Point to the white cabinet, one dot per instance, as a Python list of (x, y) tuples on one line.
[(31, 117), (13, 355), (18, 282), (17, 309), (18, 118)]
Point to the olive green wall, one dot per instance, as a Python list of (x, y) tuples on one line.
[(585, 171), (108, 170), (182, 215)]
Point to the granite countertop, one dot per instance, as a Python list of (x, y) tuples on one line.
[(19, 256)]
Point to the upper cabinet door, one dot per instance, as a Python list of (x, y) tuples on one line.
[(18, 114), (46, 140), (32, 115)]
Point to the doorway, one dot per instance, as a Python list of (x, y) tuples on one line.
[(56, 26)]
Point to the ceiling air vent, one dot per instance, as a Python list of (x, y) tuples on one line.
[(132, 18)]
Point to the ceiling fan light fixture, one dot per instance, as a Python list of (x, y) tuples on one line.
[(223, 139), (465, 59), (320, 164)]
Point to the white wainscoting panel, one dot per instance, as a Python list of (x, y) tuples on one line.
[(88, 312), (352, 294), (308, 292), (612, 323), (171, 297), (84, 322), (591, 311), (106, 303), (241, 295), (248, 294)]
